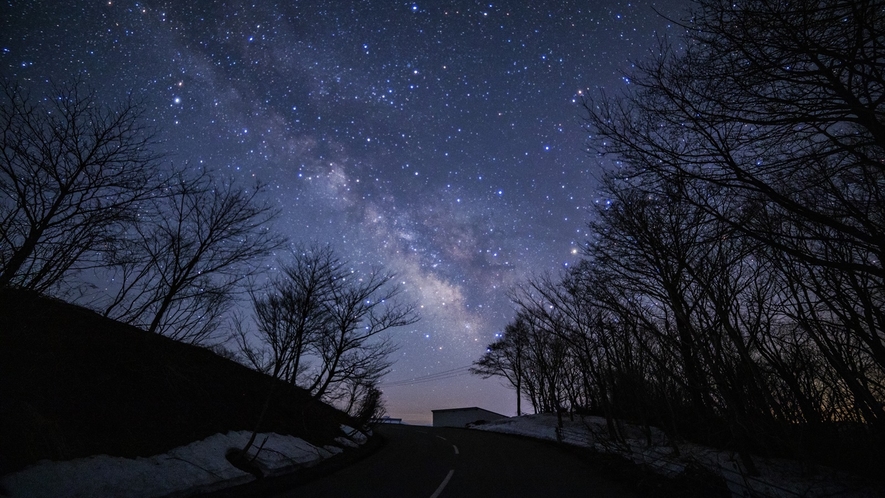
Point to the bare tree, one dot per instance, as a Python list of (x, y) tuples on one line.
[(72, 175), (290, 313), (535, 359), (321, 326), (366, 404), (778, 107), (743, 246), (205, 237), (504, 358), (361, 308)]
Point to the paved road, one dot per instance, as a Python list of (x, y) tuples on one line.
[(430, 462)]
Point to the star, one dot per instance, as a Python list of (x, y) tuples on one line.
[(440, 110)]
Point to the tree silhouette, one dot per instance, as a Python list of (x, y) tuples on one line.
[(321, 326), (73, 173), (732, 289), (777, 107), (290, 313), (186, 256), (505, 358)]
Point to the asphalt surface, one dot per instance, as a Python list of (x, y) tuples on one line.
[(444, 463)]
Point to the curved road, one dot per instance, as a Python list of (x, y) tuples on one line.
[(442, 463)]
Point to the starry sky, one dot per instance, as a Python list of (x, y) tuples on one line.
[(442, 140)]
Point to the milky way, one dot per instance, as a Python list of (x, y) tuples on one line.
[(440, 140)]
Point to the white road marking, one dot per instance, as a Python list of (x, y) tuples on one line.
[(456, 449), (444, 439), (442, 486)]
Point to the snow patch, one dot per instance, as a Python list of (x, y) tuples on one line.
[(652, 449), (198, 467), (333, 449), (355, 435), (347, 443), (279, 454)]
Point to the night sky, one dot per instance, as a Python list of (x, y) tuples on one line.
[(442, 140)]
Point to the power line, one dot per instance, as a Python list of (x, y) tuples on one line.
[(444, 375)]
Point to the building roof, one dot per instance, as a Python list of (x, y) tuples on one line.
[(467, 409)]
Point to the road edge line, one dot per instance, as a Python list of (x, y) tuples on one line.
[(442, 485)]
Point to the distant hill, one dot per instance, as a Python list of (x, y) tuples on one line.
[(74, 384)]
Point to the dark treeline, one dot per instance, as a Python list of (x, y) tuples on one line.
[(732, 289), (91, 213)]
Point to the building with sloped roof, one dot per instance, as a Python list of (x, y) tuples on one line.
[(460, 417)]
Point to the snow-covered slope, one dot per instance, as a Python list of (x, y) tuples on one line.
[(197, 467), (777, 477)]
